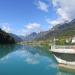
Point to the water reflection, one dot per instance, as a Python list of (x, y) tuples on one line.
[(26, 59), (29, 57), (6, 49), (60, 72), (30, 54)]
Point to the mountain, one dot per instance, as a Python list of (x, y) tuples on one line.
[(66, 29), (41, 35), (5, 38), (29, 37), (16, 37)]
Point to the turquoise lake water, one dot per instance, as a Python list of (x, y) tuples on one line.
[(27, 60)]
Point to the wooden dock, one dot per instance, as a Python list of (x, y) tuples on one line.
[(67, 68)]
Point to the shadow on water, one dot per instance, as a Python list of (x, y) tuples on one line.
[(61, 72), (6, 49)]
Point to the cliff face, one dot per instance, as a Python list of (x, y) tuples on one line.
[(5, 38)]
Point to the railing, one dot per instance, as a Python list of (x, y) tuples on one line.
[(63, 47)]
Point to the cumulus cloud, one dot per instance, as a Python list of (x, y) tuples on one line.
[(31, 27), (55, 22), (6, 27), (42, 5), (63, 14), (65, 8)]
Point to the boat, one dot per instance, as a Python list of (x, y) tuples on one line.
[(64, 54)]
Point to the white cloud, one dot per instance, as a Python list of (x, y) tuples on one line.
[(63, 14), (54, 22), (31, 27), (65, 8), (42, 5), (6, 27)]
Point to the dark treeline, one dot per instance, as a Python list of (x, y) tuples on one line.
[(5, 38)]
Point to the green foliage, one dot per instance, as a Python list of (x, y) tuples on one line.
[(61, 42)]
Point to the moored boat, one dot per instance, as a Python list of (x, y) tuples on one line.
[(64, 54)]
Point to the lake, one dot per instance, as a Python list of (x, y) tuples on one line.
[(28, 60)]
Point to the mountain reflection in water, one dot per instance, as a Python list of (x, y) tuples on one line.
[(27, 60)]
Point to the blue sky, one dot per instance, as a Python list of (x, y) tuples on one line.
[(25, 16)]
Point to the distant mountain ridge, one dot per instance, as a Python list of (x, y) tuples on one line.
[(65, 29), (16, 37), (31, 37)]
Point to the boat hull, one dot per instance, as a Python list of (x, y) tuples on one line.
[(64, 58)]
